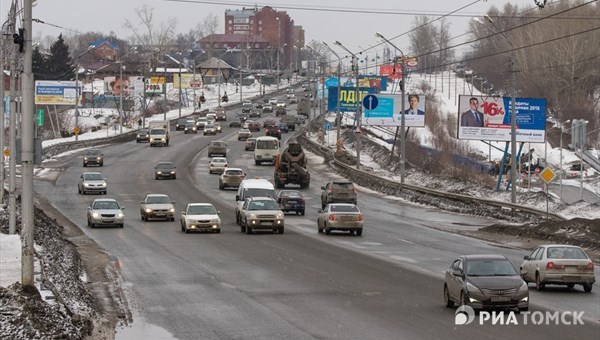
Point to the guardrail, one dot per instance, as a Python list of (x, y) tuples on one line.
[(449, 201)]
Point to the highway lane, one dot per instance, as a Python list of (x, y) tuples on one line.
[(298, 285)]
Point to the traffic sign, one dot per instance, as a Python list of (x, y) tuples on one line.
[(370, 102), (547, 175), (40, 117), (6, 152), (327, 126), (76, 130)]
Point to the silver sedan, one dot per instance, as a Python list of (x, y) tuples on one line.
[(340, 216)]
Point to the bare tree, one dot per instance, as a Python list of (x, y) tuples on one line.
[(145, 32)]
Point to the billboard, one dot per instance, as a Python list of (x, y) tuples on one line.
[(373, 81), (386, 110), (347, 98), (154, 85), (488, 118), (52, 92), (390, 71), (188, 81)]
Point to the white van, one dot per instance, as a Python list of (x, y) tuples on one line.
[(266, 149), (254, 187)]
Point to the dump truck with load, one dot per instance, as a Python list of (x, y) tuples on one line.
[(290, 167), (303, 108)]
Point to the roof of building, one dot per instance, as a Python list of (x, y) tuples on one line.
[(214, 63), (102, 41)]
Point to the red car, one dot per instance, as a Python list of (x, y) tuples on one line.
[(273, 131), (269, 122)]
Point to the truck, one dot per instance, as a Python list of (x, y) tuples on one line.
[(290, 167), (303, 107), (290, 120), (159, 132)]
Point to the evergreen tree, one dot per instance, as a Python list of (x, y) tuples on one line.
[(60, 66), (39, 65)]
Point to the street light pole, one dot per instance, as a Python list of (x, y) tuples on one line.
[(278, 48), (357, 102), (402, 118), (339, 111)]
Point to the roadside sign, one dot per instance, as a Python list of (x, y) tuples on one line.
[(547, 175), (76, 130), (40, 117), (6, 152), (370, 102), (327, 126)]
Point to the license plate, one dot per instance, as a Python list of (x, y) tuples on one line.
[(571, 278), (292, 202), (500, 298), (160, 215), (266, 223)]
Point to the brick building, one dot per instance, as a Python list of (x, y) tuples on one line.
[(261, 37)]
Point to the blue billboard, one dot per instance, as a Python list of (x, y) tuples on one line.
[(347, 98), (373, 81)]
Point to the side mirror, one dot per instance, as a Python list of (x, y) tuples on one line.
[(237, 197), (183, 213), (218, 212), (320, 211), (323, 188), (457, 272), (173, 202), (123, 208), (526, 257), (142, 202)]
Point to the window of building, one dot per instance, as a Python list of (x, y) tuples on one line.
[(260, 28), (230, 21)]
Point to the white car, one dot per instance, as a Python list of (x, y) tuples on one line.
[(217, 165), (200, 217), (157, 206), (105, 211), (210, 129), (91, 182)]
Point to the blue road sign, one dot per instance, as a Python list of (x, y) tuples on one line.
[(327, 126), (331, 82), (370, 102)]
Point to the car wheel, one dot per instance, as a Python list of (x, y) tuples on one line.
[(257, 162), (319, 229), (122, 225), (447, 301), (182, 228), (570, 285), (327, 231), (302, 212), (248, 230), (218, 231), (144, 218), (101, 163), (89, 223), (281, 229), (463, 301), (221, 187), (155, 177), (358, 232), (186, 230), (242, 228), (79, 190), (587, 287), (538, 282), (105, 192)]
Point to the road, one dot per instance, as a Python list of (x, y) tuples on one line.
[(299, 285)]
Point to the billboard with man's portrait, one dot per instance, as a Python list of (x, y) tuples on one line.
[(489, 118)]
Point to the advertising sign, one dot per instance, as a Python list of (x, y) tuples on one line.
[(386, 110), (347, 98), (373, 81), (51, 92), (489, 118), (155, 85), (188, 81), (390, 71)]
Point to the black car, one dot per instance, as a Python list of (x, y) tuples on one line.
[(165, 170), (180, 124), (235, 123), (291, 201), (273, 131), (142, 136), (247, 107), (284, 127), (190, 127)]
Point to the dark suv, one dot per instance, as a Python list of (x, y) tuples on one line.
[(180, 124), (93, 156), (273, 131), (338, 192)]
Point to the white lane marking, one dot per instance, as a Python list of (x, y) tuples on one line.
[(403, 240), (403, 259)]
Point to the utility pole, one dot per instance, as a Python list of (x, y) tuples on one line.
[(2, 115), (339, 87), (357, 115), (12, 135), (27, 92)]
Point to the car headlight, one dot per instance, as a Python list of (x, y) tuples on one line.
[(172, 210), (85, 158), (98, 158), (159, 172), (148, 210), (252, 216), (172, 172), (279, 216), (524, 287), (120, 215), (95, 215), (86, 184), (215, 221), (472, 288), (103, 185)]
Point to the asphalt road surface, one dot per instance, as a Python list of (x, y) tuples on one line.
[(386, 284)]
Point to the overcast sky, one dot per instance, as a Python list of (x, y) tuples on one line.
[(334, 21)]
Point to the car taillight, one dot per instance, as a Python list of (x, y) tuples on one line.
[(302, 200), (226, 164), (589, 266), (332, 217), (359, 217), (551, 265)]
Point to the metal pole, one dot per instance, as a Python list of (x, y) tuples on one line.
[(180, 94), (121, 97), (27, 216), (219, 81), (402, 126), (2, 115), (77, 97), (513, 134), (561, 158)]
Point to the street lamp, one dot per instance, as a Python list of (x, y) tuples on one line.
[(402, 118), (561, 156), (180, 95), (358, 105), (90, 48), (278, 48), (219, 75), (338, 113), (122, 89), (513, 109)]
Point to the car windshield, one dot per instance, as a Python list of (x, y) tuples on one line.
[(244, 131), (490, 267), (164, 166), (157, 131), (189, 124), (217, 144), (105, 205), (348, 186), (158, 199), (219, 160), (209, 126), (566, 253), (93, 152), (181, 121), (201, 210), (344, 208), (266, 144), (234, 172), (93, 177), (255, 192), (263, 205), (290, 194)]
